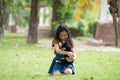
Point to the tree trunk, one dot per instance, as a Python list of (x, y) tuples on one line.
[(119, 30), (33, 24), (114, 11), (1, 18), (118, 6), (56, 16), (115, 29)]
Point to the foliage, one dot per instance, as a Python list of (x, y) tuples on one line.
[(81, 28), (86, 11), (80, 6), (92, 28), (87, 29), (84, 8), (19, 10), (65, 10)]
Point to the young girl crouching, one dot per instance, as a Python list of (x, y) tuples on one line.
[(64, 54)]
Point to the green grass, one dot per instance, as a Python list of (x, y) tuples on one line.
[(21, 61)]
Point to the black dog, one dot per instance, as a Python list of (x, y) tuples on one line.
[(65, 47)]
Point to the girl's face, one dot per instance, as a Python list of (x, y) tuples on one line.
[(63, 36)]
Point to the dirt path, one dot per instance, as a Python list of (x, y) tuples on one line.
[(83, 46)]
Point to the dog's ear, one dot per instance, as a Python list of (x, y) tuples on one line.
[(68, 45)]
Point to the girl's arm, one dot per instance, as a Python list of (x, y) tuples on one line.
[(58, 50), (73, 55)]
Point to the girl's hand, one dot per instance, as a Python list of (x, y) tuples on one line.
[(71, 54)]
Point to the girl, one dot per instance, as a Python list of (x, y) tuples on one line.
[(64, 57)]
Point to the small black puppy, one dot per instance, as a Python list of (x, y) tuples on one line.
[(66, 47)]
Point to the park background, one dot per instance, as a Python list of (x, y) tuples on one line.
[(27, 28)]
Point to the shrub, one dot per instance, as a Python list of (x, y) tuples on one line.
[(92, 28)]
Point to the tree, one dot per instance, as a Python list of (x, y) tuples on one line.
[(114, 9), (56, 17), (19, 15), (86, 13), (60, 9), (1, 17), (33, 24), (86, 9), (118, 15), (2, 11)]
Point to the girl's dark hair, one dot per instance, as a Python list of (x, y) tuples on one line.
[(60, 29)]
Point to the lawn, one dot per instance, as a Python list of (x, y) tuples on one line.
[(21, 61)]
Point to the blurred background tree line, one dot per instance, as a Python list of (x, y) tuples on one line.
[(81, 15)]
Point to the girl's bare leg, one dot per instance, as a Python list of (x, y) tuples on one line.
[(68, 71), (56, 73)]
